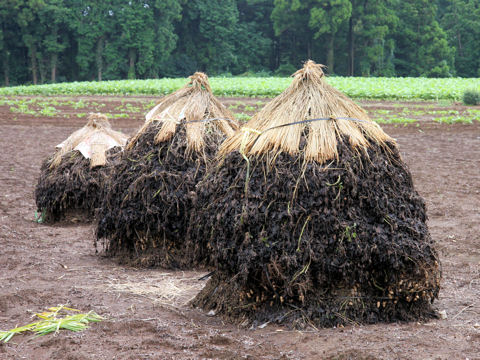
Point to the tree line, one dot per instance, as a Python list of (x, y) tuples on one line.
[(43, 41)]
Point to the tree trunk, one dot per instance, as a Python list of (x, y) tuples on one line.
[(99, 57), (309, 49), (131, 58), (460, 49), (294, 38), (54, 57), (6, 69), (276, 54), (351, 48), (54, 67), (330, 53), (33, 59), (43, 66)]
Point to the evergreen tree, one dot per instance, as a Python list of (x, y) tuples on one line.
[(12, 48), (67, 40), (26, 14), (326, 17), (323, 18), (253, 36), (134, 45), (369, 27), (144, 37), (294, 38), (207, 33), (165, 15), (53, 17), (461, 21), (93, 22), (421, 47)]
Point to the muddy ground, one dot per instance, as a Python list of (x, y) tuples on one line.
[(146, 310)]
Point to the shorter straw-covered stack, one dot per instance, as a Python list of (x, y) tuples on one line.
[(151, 195), (71, 181)]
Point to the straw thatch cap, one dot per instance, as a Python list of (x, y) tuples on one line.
[(308, 97), (93, 140), (194, 105)]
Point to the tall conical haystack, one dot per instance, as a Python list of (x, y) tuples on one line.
[(315, 222), (145, 215), (71, 181)]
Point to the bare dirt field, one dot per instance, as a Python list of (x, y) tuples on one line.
[(146, 310)]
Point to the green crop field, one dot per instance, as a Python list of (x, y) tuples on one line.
[(355, 87)]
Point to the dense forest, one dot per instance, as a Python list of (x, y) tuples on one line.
[(43, 41)]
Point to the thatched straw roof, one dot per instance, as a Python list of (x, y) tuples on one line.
[(194, 105), (93, 140), (308, 97)]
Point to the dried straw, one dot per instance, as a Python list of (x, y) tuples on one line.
[(192, 104), (100, 135), (308, 97), (171, 289)]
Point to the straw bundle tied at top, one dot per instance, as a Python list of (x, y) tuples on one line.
[(193, 104), (308, 97), (93, 140)]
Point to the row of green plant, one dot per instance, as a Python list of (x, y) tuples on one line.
[(355, 87), (406, 116), (395, 113), (52, 107)]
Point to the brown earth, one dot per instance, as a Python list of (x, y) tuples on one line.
[(146, 310)]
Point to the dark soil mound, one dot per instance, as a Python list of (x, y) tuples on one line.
[(71, 191), (317, 244), (151, 194)]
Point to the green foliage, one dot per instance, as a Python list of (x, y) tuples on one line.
[(355, 87), (48, 41), (242, 117), (461, 21), (373, 22), (326, 16), (208, 32), (471, 97), (254, 37), (421, 42), (440, 71), (285, 70), (289, 19)]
